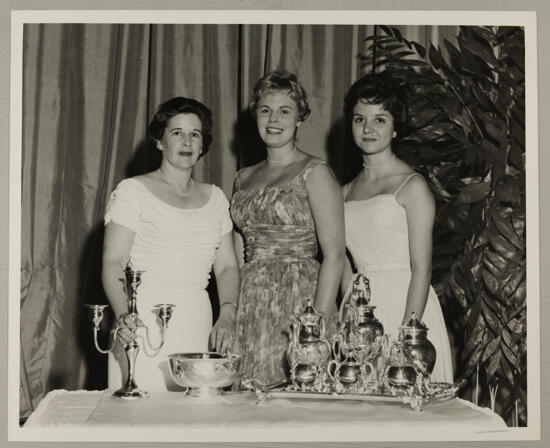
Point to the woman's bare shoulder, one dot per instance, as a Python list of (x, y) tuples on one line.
[(147, 179), (248, 172)]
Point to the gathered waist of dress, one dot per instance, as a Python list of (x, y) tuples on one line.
[(283, 243), (377, 267)]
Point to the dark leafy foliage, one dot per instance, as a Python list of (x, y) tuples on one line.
[(467, 136)]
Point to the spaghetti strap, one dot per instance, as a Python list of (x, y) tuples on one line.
[(410, 176)]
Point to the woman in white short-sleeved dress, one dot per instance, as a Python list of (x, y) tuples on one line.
[(176, 230)]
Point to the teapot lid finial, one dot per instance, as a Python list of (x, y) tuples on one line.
[(361, 289), (309, 307), (129, 265)]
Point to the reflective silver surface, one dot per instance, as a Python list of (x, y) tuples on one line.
[(204, 373), (130, 390)]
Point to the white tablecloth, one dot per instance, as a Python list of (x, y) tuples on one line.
[(447, 420)]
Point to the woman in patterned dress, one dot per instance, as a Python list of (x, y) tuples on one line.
[(285, 207)]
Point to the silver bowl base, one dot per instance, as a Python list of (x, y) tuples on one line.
[(205, 392)]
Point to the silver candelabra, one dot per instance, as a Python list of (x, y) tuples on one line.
[(133, 279)]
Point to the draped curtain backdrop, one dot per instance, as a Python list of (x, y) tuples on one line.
[(88, 93)]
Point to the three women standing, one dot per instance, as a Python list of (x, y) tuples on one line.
[(285, 207)]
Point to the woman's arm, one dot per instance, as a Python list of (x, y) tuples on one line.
[(327, 208), (238, 242), (347, 276), (419, 204), (347, 273), (226, 270), (116, 252)]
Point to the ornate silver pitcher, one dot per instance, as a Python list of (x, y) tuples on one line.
[(360, 334), (309, 351), (357, 315)]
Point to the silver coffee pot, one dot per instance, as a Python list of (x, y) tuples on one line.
[(309, 351)]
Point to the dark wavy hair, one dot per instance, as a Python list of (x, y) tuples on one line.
[(181, 105), (378, 88), (277, 81)]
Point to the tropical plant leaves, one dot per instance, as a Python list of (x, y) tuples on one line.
[(494, 363), (503, 246), (473, 193), (504, 226), (467, 108), (484, 33)]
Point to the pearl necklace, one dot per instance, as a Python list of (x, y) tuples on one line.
[(378, 166), (284, 159)]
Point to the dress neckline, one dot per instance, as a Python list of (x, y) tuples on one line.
[(378, 196), (173, 206), (290, 182)]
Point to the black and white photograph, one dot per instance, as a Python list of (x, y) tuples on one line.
[(274, 226)]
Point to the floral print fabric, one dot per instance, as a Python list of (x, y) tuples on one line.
[(279, 275)]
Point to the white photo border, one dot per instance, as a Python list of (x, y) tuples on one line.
[(528, 20)]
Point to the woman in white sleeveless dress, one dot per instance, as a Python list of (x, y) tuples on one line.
[(389, 215), (176, 230)]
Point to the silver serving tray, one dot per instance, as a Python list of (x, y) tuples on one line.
[(443, 392)]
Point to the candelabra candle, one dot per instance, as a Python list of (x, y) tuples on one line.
[(133, 279)]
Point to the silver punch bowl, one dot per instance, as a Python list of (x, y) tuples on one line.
[(205, 374)]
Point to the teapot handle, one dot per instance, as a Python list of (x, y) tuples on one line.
[(407, 351), (336, 365), (294, 326), (323, 325), (336, 346), (369, 376), (345, 300)]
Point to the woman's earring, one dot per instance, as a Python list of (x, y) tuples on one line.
[(394, 134)]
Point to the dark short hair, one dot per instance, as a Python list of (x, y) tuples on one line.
[(181, 105), (378, 88), (277, 81)]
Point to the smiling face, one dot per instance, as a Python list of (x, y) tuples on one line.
[(372, 127), (277, 119), (181, 143)]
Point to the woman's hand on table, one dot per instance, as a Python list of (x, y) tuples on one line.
[(127, 325), (222, 336)]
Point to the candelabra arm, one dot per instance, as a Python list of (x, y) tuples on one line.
[(112, 339), (162, 338)]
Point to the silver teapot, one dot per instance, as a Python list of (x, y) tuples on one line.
[(417, 348), (399, 372), (352, 375), (309, 351)]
